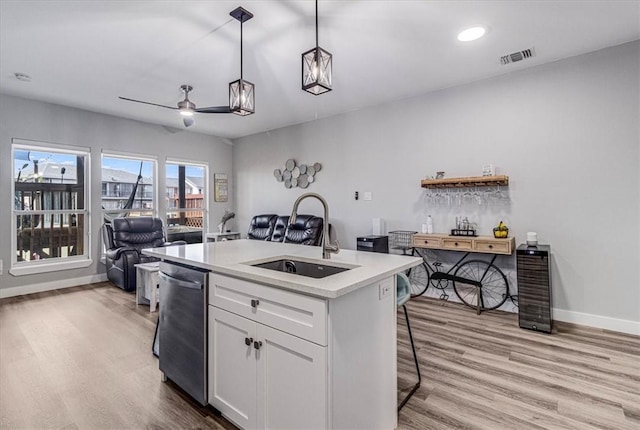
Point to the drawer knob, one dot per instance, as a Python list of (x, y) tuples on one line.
[(490, 246), (255, 303), (248, 341), (257, 344), (426, 241), (456, 244)]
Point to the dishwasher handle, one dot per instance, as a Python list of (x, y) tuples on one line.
[(179, 282)]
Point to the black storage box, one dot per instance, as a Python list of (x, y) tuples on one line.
[(373, 243)]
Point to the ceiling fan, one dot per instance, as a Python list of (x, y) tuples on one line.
[(186, 107)]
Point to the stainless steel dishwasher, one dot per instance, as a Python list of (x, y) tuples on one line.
[(183, 327)]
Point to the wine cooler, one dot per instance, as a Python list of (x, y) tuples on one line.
[(534, 287)]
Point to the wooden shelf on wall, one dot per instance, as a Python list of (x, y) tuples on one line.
[(468, 181)]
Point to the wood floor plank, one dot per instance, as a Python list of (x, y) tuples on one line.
[(81, 358)]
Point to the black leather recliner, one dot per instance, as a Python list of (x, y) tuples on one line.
[(124, 238), (261, 227), (307, 230)]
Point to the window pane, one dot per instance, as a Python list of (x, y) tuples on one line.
[(52, 235), (185, 191), (127, 184)]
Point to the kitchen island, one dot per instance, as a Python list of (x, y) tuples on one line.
[(292, 351)]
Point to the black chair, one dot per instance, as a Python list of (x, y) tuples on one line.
[(307, 230), (124, 238), (279, 228), (261, 227)]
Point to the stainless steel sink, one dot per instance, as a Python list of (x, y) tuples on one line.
[(302, 268)]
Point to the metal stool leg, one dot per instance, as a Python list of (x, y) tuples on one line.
[(415, 358)]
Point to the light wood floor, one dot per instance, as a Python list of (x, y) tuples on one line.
[(80, 358)]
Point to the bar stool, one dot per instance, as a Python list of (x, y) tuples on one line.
[(403, 294)]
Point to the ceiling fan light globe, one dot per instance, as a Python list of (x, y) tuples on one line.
[(186, 112)]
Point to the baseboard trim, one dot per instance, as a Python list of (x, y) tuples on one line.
[(597, 321), (52, 285)]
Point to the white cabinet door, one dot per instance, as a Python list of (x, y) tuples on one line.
[(292, 382), (232, 367)]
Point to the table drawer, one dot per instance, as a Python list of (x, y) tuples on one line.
[(296, 314), (425, 241), (493, 247), (457, 243)]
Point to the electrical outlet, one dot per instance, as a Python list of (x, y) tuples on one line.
[(385, 290), (368, 195)]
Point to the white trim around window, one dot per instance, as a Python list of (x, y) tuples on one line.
[(30, 267)]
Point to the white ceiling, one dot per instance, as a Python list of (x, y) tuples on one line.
[(87, 53)]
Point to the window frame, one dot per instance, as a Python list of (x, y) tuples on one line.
[(19, 268)]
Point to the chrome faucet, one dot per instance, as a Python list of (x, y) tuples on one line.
[(327, 248)]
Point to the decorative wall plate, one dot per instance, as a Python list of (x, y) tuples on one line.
[(297, 175)]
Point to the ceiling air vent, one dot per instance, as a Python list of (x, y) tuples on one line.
[(517, 56)]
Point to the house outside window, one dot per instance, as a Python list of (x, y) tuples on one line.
[(50, 217), (186, 200)]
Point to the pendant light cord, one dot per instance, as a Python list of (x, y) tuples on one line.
[(317, 44), (241, 23)]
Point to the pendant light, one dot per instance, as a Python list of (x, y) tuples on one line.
[(241, 92), (316, 67)]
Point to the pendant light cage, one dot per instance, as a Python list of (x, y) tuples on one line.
[(241, 92), (242, 97), (317, 67)]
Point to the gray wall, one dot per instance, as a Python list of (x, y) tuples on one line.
[(566, 133), (28, 119)]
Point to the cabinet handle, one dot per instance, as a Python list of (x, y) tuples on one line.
[(456, 244), (490, 246), (257, 344), (248, 340), (255, 303), (426, 241)]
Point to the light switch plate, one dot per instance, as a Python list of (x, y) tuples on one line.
[(1, 267), (368, 195)]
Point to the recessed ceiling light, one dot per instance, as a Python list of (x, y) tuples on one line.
[(472, 33), (23, 77)]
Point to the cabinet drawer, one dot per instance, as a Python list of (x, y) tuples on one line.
[(425, 241), (493, 247), (457, 243), (297, 314)]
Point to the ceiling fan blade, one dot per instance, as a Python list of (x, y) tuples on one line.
[(188, 121), (147, 103), (214, 109)]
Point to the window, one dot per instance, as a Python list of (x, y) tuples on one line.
[(127, 186), (186, 201), (50, 209)]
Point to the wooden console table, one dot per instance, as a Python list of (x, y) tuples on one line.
[(484, 244)]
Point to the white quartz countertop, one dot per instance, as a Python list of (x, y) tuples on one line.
[(234, 258)]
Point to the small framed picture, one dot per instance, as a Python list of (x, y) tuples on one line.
[(220, 187)]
